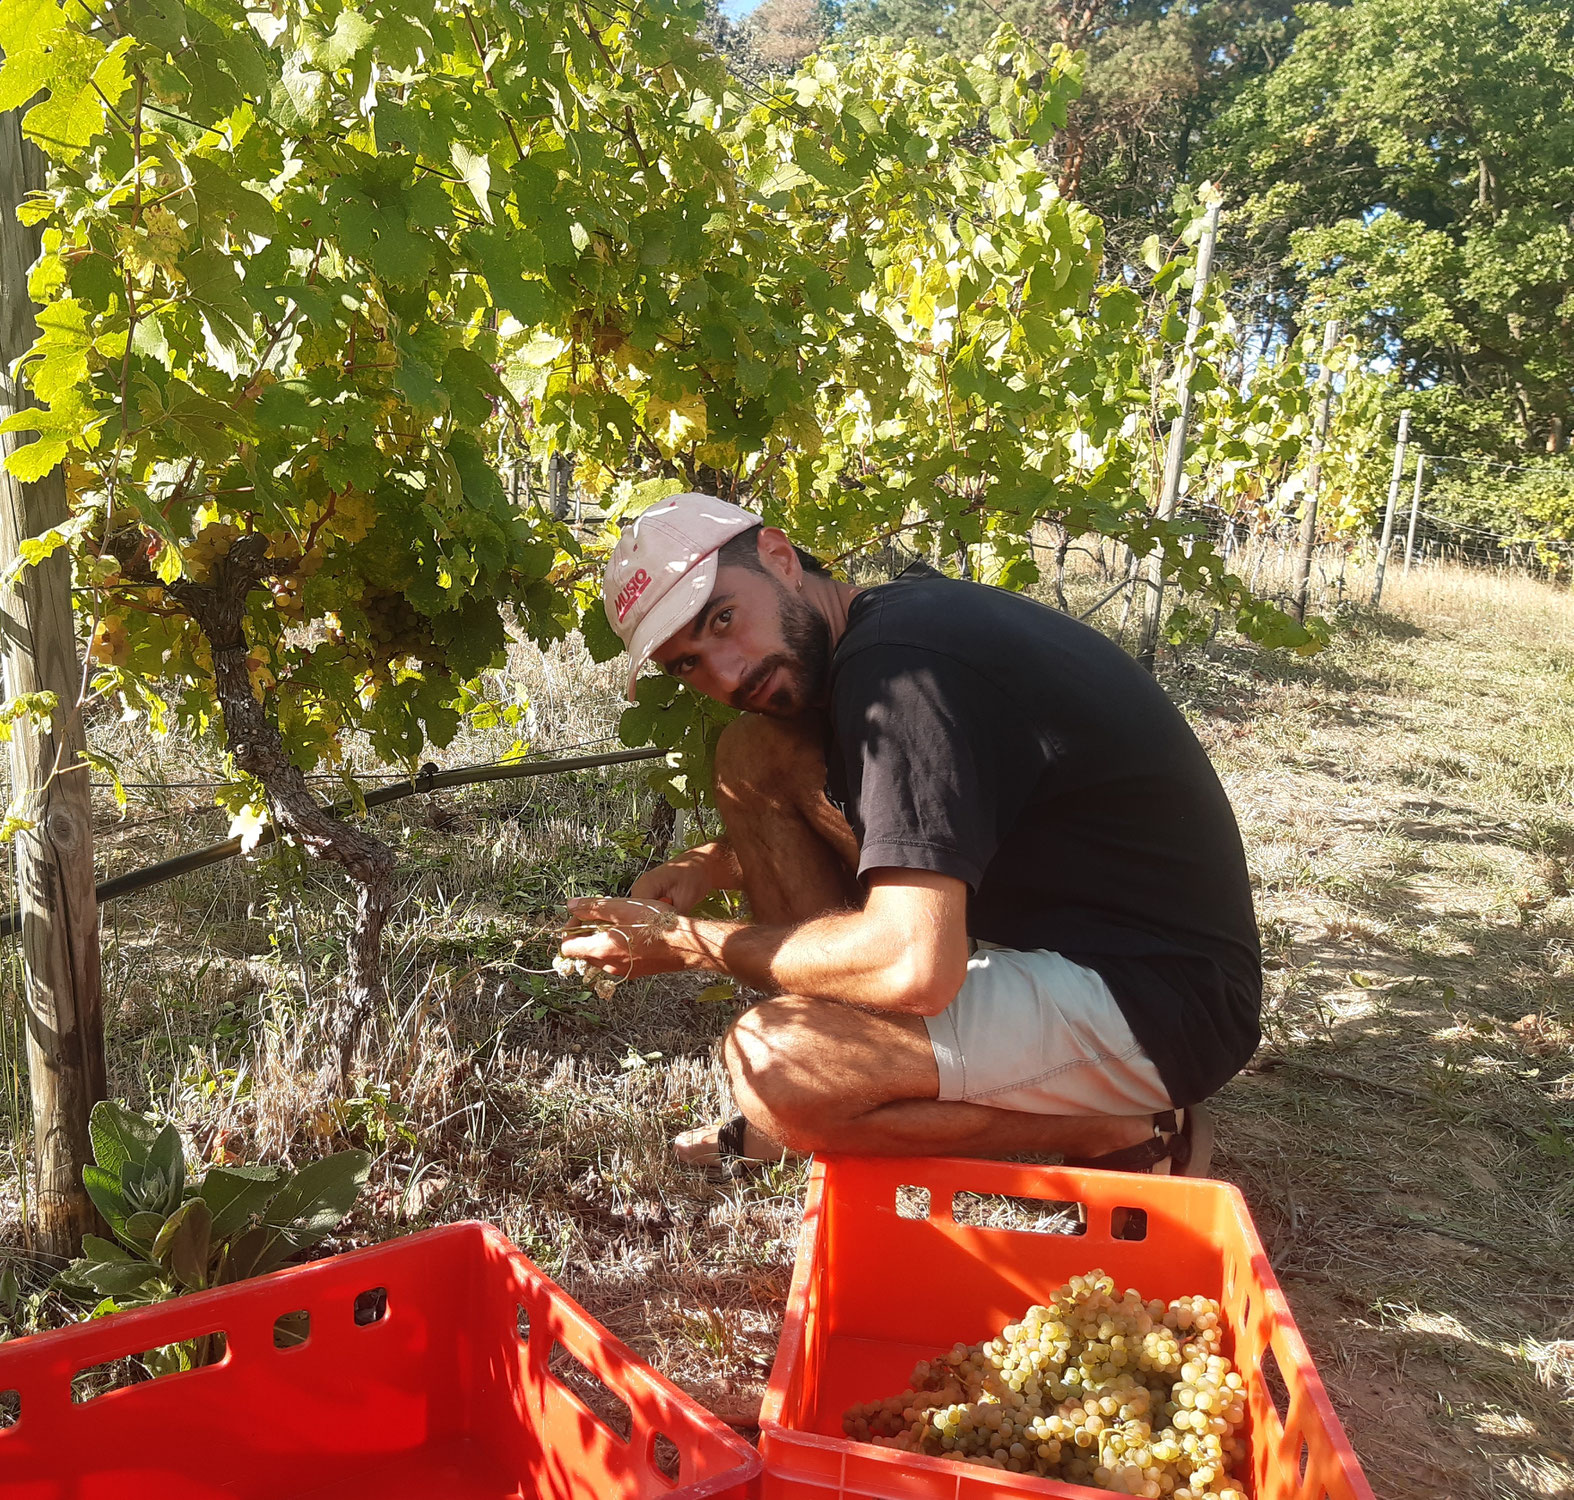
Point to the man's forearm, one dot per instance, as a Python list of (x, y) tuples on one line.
[(841, 956), (905, 951), (714, 862)]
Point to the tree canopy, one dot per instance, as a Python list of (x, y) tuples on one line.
[(1156, 74), (1410, 165), (1403, 166)]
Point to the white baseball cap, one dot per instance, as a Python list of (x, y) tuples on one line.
[(663, 570)]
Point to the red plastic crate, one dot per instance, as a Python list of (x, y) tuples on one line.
[(875, 1291), (418, 1377)]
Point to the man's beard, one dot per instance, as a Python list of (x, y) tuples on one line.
[(806, 663)]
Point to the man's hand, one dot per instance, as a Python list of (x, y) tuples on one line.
[(906, 951), (682, 883), (634, 937)]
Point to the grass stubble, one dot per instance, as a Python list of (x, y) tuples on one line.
[(1403, 1137)]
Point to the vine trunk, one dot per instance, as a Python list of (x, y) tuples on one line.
[(218, 608)]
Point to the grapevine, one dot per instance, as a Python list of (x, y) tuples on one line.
[(1111, 1391), (211, 543), (109, 645), (307, 269)]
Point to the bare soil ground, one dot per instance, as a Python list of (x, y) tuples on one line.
[(1405, 1137)]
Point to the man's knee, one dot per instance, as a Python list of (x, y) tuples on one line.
[(757, 756), (769, 1053)]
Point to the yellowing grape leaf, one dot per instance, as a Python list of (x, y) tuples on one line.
[(676, 424), (476, 170), (34, 460)]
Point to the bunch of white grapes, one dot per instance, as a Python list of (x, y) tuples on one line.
[(579, 968), (1094, 1388), (394, 624), (210, 544)]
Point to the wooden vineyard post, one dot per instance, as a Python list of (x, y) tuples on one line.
[(1323, 407), (49, 778), (1393, 501), (559, 466), (1415, 513), (1175, 453)]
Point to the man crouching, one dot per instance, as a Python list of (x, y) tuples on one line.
[(996, 888)]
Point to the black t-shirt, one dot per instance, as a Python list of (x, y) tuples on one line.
[(984, 736)]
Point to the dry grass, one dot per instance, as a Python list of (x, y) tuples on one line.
[(1405, 1136)]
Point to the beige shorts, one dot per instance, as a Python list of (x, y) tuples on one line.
[(1035, 1032)]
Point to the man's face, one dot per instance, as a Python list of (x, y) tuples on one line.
[(756, 645)]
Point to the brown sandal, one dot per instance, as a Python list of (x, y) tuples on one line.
[(730, 1154), (1181, 1146)]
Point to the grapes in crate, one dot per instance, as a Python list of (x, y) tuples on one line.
[(1094, 1388)]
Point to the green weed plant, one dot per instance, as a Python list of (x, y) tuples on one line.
[(175, 1233)]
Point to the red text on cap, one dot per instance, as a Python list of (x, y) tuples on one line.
[(628, 596)]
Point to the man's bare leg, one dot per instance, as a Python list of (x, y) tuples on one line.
[(818, 1076), (795, 851)]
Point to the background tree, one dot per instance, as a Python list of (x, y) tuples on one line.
[(1410, 166), (784, 32), (1156, 75)]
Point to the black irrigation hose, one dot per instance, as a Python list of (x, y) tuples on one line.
[(429, 779)]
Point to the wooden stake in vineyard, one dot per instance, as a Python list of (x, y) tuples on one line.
[(559, 469), (1415, 513), (1324, 408), (1393, 501), (49, 779), (1175, 453)]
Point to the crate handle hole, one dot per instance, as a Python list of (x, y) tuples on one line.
[(1024, 1215), (292, 1329), (10, 1409), (912, 1202), (605, 1405), (93, 1381), (522, 1323), (1128, 1224), (666, 1458), (1273, 1383), (371, 1306)]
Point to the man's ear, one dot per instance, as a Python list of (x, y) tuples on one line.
[(778, 556)]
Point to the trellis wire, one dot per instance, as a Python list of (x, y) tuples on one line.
[(429, 779)]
